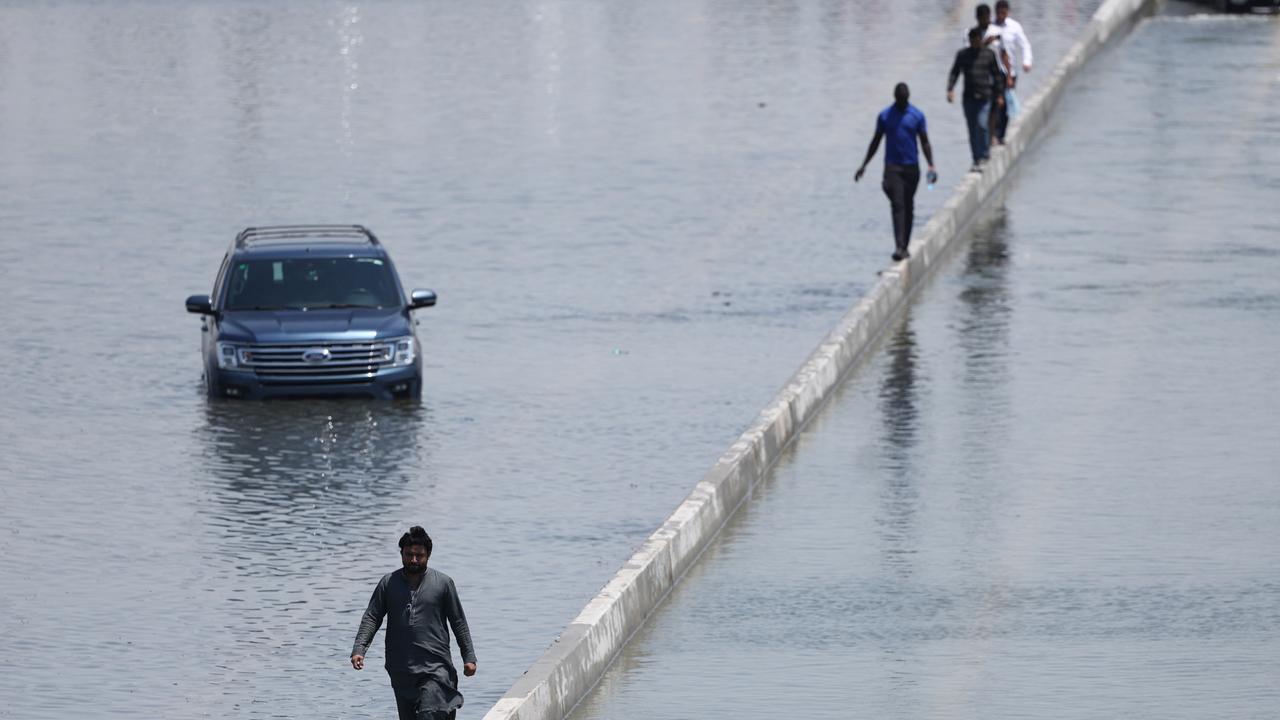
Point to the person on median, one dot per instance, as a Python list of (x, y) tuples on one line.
[(903, 123), (1017, 53), (983, 85)]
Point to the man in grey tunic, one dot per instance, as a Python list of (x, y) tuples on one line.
[(417, 602)]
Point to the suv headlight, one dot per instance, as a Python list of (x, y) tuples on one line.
[(403, 351), (228, 356)]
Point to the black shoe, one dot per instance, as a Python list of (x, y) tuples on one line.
[(899, 255)]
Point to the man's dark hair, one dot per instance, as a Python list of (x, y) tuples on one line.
[(416, 536), (1002, 5), (975, 34), (983, 10)]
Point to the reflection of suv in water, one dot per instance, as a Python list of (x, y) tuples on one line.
[(309, 310)]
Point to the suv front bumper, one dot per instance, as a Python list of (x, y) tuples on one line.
[(385, 384)]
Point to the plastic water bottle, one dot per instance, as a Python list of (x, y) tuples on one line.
[(932, 178)]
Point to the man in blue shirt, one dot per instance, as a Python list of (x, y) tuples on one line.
[(903, 123)]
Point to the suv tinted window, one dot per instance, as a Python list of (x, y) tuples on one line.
[(310, 283)]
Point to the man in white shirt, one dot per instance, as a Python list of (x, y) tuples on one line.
[(1013, 38), (1017, 52)]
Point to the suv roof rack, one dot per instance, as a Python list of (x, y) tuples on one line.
[(289, 234)]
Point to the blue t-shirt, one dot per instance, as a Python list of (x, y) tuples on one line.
[(900, 128)]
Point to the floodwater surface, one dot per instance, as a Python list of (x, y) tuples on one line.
[(1052, 493), (639, 217)]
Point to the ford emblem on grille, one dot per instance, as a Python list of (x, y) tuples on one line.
[(315, 356)]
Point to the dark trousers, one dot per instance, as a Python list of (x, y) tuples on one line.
[(418, 695), (408, 710), (900, 183), (999, 121), (1000, 113), (977, 114)]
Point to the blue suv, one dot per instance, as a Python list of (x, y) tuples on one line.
[(309, 310)]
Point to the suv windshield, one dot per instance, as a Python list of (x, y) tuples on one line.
[(293, 284)]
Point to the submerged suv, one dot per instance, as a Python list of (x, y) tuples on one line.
[(309, 310)]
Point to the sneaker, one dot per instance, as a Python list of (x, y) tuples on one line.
[(975, 168), (899, 255)]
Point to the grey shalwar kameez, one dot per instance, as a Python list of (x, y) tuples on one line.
[(419, 657)]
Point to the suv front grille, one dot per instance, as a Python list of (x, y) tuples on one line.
[(318, 361)]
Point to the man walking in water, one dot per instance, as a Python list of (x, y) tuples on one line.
[(903, 123), (419, 601), (983, 85)]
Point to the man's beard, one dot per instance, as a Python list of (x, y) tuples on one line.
[(415, 569)]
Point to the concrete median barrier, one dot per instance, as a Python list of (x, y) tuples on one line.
[(573, 664)]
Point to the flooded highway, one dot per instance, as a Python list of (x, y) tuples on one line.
[(1052, 491), (639, 218)]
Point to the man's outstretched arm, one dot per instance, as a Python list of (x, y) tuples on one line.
[(1024, 47), (369, 624), (952, 76), (458, 622), (871, 152)]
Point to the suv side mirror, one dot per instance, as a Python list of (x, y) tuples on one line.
[(421, 299), (199, 304)]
